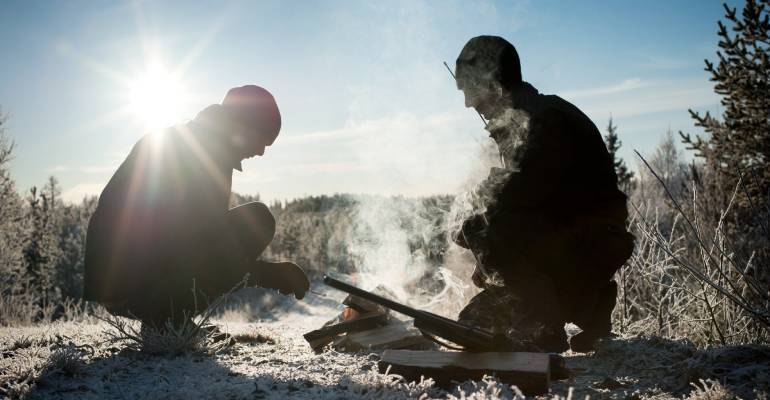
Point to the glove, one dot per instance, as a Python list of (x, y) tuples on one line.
[(285, 277)]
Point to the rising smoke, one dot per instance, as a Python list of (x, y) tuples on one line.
[(383, 236), (396, 242), (386, 230)]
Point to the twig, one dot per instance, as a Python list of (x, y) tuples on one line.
[(713, 317), (760, 316), (695, 230)]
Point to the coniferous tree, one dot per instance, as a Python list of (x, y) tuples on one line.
[(738, 144), (41, 250), (73, 224), (11, 224), (625, 176), (736, 148)]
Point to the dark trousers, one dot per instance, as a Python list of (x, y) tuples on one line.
[(535, 313), (212, 268), (553, 273)]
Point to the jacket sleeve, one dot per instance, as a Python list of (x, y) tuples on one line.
[(543, 169)]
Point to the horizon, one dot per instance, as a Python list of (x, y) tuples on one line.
[(368, 106)]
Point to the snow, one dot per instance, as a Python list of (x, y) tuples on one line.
[(74, 360)]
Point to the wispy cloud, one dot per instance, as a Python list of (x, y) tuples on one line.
[(405, 153), (327, 167), (303, 170), (652, 97), (355, 129), (76, 193), (625, 86), (85, 169)]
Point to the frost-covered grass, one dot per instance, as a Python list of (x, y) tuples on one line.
[(695, 272), (271, 360)]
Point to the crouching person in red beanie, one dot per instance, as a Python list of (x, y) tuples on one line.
[(163, 221)]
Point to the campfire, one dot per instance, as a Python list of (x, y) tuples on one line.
[(413, 348), (364, 325)]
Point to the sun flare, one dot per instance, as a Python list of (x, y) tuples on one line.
[(156, 98)]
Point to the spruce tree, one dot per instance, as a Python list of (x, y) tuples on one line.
[(738, 143), (625, 176), (11, 224), (41, 250), (73, 225)]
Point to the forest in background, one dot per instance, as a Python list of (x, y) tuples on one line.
[(700, 269)]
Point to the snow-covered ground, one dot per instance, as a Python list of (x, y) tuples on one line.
[(74, 360)]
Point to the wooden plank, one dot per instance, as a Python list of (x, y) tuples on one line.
[(364, 322), (559, 370), (393, 336), (529, 371)]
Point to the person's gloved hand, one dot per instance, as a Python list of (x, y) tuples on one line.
[(285, 277)]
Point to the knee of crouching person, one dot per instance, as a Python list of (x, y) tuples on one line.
[(253, 224), (263, 218)]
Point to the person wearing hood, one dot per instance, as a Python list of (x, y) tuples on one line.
[(550, 232)]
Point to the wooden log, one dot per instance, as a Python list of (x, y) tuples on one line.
[(559, 370), (530, 372), (318, 344), (393, 336), (363, 305), (362, 323)]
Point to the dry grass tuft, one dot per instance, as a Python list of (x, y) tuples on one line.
[(25, 309), (487, 388), (22, 342), (28, 360), (708, 389), (194, 336), (67, 361), (253, 337), (191, 337), (19, 377)]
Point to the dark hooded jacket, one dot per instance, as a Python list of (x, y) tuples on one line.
[(558, 184), (558, 162)]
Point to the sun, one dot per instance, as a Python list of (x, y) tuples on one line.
[(156, 97)]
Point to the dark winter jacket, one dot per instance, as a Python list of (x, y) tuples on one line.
[(162, 204), (558, 180)]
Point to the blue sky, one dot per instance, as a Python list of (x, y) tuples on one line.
[(367, 104)]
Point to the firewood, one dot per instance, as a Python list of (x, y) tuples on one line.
[(396, 335), (362, 323), (529, 371), (362, 305), (318, 344)]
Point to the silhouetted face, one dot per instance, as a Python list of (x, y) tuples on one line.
[(252, 141), (257, 121), (486, 66), (484, 99)]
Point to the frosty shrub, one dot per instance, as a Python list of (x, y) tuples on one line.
[(685, 279)]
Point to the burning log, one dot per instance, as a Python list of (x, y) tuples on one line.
[(362, 325), (530, 372), (468, 337), (361, 322), (361, 305)]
